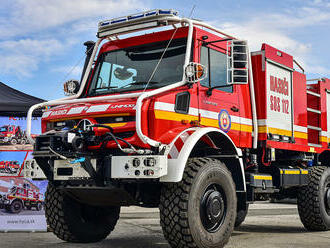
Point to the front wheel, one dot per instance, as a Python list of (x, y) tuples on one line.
[(314, 200), (16, 207), (200, 210), (77, 222)]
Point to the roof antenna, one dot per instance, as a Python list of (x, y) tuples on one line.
[(192, 10)]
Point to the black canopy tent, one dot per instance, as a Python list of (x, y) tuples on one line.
[(16, 103)]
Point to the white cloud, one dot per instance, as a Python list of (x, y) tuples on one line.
[(21, 58), (277, 29), (52, 27), (36, 15), (69, 71)]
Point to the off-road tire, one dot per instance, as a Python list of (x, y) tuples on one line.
[(311, 203), (180, 206), (75, 222), (16, 207), (13, 142), (241, 215)]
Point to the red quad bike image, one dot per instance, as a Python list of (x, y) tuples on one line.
[(21, 197), (9, 167), (13, 135), (187, 119)]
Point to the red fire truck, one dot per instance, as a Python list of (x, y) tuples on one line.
[(187, 119), (9, 167), (12, 134), (20, 197)]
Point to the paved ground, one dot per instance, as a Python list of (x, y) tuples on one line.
[(23, 212), (267, 225), (9, 147)]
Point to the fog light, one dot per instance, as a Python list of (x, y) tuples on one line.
[(136, 162), (149, 162)]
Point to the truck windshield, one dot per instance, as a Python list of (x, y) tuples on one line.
[(3, 129), (130, 68)]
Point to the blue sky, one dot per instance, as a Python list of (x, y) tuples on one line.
[(41, 42)]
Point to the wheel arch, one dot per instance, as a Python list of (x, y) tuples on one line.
[(324, 158), (220, 139)]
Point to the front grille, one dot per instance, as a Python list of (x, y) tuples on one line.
[(43, 142), (125, 135)]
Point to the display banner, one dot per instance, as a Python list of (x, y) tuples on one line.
[(21, 199), (13, 133)]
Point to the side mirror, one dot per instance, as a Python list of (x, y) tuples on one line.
[(194, 72), (71, 87)]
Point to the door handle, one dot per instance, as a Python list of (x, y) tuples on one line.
[(234, 109)]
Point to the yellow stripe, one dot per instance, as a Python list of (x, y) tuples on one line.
[(118, 124), (304, 172), (262, 129), (165, 115), (292, 172), (323, 139), (246, 128), (263, 177), (209, 122), (300, 135)]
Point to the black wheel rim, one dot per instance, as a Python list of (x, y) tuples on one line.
[(17, 206), (213, 208), (327, 197)]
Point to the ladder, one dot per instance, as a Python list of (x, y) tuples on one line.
[(314, 114), (237, 62)]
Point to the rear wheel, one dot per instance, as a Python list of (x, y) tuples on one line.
[(314, 200), (76, 222), (200, 210), (13, 141), (39, 206)]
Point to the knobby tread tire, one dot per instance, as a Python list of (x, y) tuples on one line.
[(174, 207), (61, 224), (309, 202)]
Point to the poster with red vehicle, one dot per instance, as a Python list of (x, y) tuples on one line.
[(13, 133), (21, 199)]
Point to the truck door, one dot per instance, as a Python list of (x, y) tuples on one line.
[(219, 107)]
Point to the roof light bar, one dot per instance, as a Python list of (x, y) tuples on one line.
[(107, 27)]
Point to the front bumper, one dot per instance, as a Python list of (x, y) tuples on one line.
[(4, 140), (116, 167)]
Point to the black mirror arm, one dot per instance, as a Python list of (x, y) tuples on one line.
[(209, 91), (205, 43)]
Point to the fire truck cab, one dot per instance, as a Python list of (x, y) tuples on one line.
[(186, 119), (12, 134), (21, 197)]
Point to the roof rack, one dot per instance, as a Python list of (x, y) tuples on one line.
[(137, 22)]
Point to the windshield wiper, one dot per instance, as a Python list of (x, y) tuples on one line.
[(139, 83)]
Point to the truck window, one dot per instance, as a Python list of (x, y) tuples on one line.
[(216, 63)]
